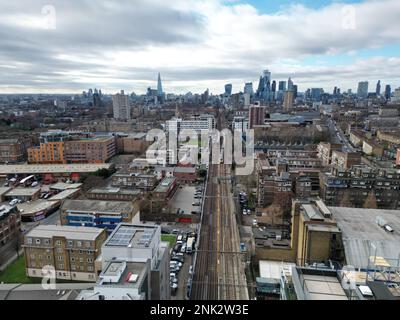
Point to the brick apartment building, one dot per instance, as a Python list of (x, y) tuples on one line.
[(90, 150), (10, 223), (11, 150), (72, 251), (357, 184)]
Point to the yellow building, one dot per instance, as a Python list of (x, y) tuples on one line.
[(47, 153), (315, 237)]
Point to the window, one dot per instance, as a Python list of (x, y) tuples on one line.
[(32, 256), (79, 243), (80, 259), (61, 266), (72, 259), (59, 250), (73, 267), (88, 244), (29, 240), (46, 241), (90, 260), (58, 243), (37, 241), (90, 268), (60, 258), (70, 243)]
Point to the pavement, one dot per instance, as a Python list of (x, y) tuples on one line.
[(183, 199)]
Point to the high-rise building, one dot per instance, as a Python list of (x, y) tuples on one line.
[(121, 106), (288, 100), (282, 86), (273, 86), (228, 89), (264, 86), (378, 88), (159, 86), (248, 88), (256, 115), (295, 90), (97, 103), (362, 90), (290, 85), (388, 92)]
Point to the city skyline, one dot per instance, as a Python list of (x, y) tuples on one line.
[(197, 45)]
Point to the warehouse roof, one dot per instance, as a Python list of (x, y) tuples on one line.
[(362, 228), (52, 168), (97, 206), (29, 208), (17, 192)]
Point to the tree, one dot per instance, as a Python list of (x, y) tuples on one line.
[(370, 202), (346, 201)]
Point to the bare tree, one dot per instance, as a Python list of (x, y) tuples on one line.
[(370, 202)]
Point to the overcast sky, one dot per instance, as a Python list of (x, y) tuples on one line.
[(66, 46)]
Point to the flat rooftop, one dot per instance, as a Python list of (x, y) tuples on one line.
[(64, 194), (4, 190), (51, 168), (65, 186), (90, 206), (69, 232), (321, 287), (20, 192), (36, 206), (360, 230), (165, 184), (132, 236), (273, 269), (115, 191), (123, 274)]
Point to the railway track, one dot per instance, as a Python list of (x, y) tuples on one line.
[(219, 273)]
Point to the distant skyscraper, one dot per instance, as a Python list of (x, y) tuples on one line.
[(388, 92), (228, 89), (97, 103), (273, 86), (288, 101), (282, 86), (248, 88), (362, 90), (335, 91), (295, 89), (159, 86), (264, 86), (378, 88), (121, 106), (290, 85)]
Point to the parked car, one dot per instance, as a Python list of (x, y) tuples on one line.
[(191, 270), (34, 184), (183, 249), (14, 202)]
